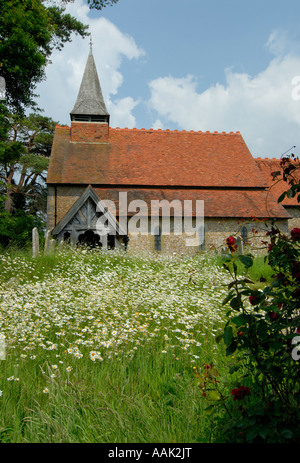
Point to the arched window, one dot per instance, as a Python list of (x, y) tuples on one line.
[(201, 234), (157, 239), (244, 235)]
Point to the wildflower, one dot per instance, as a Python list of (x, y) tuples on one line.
[(240, 393), (1, 393), (46, 390), (11, 378), (69, 368)]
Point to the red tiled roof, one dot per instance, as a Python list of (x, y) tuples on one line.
[(155, 164), (269, 166), (217, 203), (155, 158)]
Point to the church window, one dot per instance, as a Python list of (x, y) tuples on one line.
[(244, 234), (157, 239)]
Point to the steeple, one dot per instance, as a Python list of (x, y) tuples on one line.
[(90, 106)]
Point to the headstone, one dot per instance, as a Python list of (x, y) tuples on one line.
[(51, 246), (35, 242), (47, 239)]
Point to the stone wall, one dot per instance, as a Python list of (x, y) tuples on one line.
[(216, 233), (62, 198), (294, 211)]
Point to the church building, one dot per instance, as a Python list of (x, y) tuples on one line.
[(99, 176)]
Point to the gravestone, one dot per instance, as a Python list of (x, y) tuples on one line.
[(51, 246), (47, 239), (35, 242)]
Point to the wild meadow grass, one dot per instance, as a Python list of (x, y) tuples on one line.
[(104, 347)]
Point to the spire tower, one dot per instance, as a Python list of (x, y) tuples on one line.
[(89, 105)]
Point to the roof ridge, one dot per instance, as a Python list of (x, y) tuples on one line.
[(267, 159), (142, 129)]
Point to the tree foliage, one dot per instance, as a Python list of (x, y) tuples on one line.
[(24, 160), (29, 30), (97, 4)]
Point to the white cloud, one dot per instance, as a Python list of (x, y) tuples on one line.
[(110, 46), (122, 112), (261, 107)]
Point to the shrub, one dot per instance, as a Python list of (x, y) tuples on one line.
[(16, 229), (262, 331)]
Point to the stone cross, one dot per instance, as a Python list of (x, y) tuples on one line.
[(35, 242)]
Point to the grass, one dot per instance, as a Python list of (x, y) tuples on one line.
[(107, 347), (260, 272)]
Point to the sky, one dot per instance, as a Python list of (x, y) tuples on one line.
[(212, 65)]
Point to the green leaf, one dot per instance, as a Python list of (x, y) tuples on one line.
[(281, 197), (228, 334), (231, 348), (251, 434), (287, 434), (228, 297), (239, 320), (246, 260), (235, 303), (263, 432)]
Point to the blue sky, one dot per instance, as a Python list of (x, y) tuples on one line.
[(189, 65)]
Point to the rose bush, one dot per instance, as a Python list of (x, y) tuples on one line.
[(261, 332)]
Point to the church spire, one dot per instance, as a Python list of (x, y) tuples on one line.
[(90, 106)]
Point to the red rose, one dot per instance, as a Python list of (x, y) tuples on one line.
[(273, 315), (252, 300), (230, 241), (295, 234), (296, 270), (240, 393)]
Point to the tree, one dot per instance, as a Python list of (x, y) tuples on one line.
[(24, 160), (97, 4), (29, 30)]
